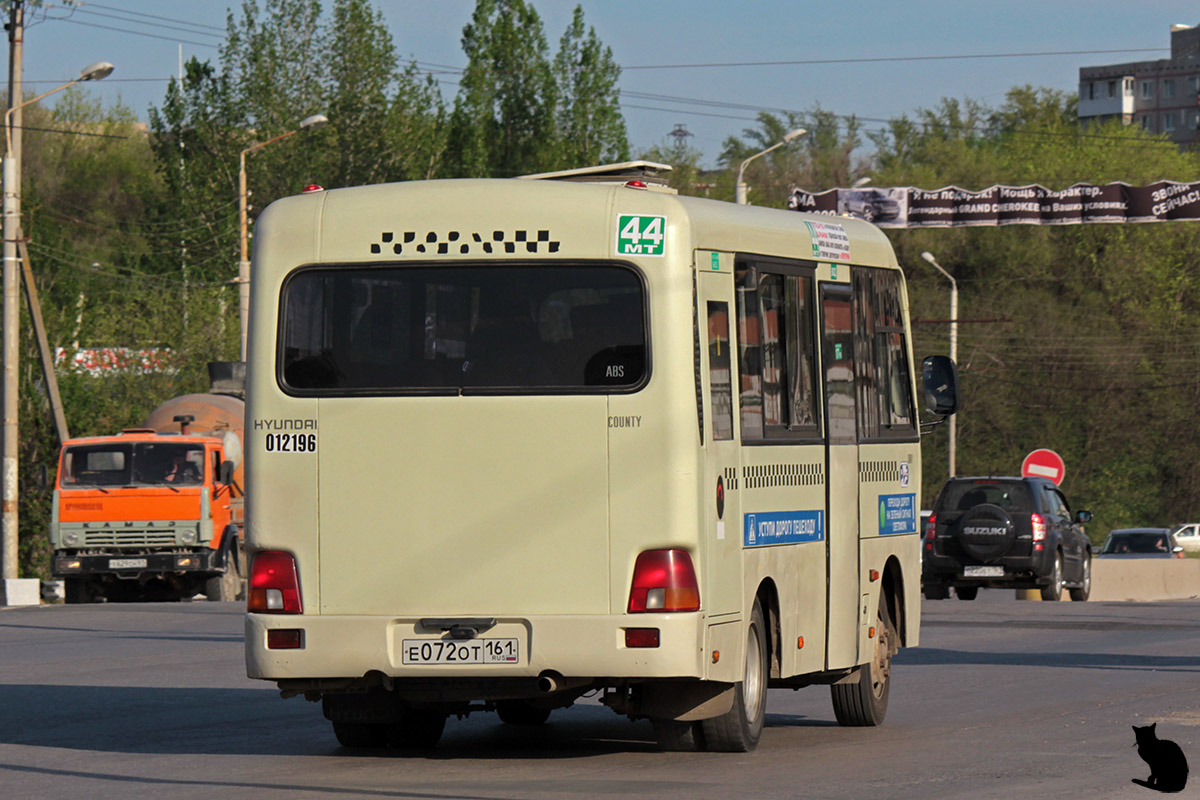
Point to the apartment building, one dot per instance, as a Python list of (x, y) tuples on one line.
[(1160, 96)]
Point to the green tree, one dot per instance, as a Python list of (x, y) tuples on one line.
[(503, 122), (591, 129), (822, 159), (686, 175)]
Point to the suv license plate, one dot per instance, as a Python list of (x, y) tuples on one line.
[(983, 572), (452, 651), (127, 563)]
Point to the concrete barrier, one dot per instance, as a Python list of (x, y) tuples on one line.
[(1138, 580)]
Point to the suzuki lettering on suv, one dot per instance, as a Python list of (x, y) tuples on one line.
[(1013, 533)]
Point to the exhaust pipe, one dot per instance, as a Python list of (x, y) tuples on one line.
[(550, 681)]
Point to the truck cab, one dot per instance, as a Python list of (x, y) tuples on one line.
[(146, 515)]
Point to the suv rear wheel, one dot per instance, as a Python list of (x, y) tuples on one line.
[(1054, 590), (1081, 594), (936, 591)]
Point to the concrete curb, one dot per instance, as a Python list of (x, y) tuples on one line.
[(1138, 580)]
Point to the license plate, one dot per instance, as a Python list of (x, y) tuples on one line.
[(455, 651), (127, 563), (983, 572)]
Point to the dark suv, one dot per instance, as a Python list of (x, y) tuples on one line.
[(1014, 533)]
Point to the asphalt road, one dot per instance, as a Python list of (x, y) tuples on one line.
[(1003, 699)]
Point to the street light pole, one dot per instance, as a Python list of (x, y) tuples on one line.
[(308, 123), (953, 343), (11, 322), (741, 189)]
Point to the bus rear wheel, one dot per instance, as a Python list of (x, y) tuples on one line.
[(360, 735), (739, 729), (864, 704), (521, 712), (417, 729)]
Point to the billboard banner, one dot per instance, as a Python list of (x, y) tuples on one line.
[(952, 207)]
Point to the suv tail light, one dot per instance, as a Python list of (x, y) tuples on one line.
[(931, 527), (1039, 527), (664, 580), (274, 584)]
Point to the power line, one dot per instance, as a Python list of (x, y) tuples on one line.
[(148, 24), (71, 133), (136, 33), (892, 59), (868, 60), (155, 16)]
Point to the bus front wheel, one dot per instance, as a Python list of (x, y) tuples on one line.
[(739, 729), (864, 704)]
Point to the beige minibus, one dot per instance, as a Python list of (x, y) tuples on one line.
[(514, 442)]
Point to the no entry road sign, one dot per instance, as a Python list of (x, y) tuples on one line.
[(1044, 464)]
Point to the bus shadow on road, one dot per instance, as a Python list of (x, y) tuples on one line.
[(241, 721)]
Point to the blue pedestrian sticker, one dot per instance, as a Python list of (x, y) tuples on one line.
[(897, 513), (783, 527)]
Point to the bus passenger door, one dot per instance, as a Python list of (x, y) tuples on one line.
[(841, 481), (722, 537)]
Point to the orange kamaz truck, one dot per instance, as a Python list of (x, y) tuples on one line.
[(156, 512)]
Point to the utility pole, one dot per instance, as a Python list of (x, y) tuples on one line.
[(11, 306)]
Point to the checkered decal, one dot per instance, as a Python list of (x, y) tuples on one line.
[(879, 472), (769, 475), (731, 479), (434, 243)]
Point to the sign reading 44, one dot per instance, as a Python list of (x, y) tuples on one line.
[(641, 234)]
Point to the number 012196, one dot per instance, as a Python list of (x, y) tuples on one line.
[(291, 443)]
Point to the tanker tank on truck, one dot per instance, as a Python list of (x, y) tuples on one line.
[(156, 512)]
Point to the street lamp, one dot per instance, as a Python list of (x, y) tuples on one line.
[(11, 321), (741, 184), (953, 339), (308, 123)]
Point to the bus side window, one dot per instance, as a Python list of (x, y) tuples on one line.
[(719, 376), (776, 351), (885, 405)]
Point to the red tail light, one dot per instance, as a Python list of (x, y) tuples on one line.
[(1039, 527), (664, 580), (931, 527), (274, 584)]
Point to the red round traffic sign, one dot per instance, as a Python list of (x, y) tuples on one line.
[(1044, 464)]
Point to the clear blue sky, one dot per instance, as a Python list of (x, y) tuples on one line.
[(645, 34)]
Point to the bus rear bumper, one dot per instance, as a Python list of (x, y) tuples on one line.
[(593, 647)]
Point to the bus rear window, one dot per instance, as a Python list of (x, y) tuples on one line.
[(482, 329)]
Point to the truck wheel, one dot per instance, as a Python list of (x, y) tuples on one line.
[(738, 729), (1054, 590), (521, 712), (417, 729), (1083, 592), (358, 735), (227, 586), (864, 704), (76, 591)]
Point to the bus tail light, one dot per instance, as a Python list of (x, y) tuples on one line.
[(274, 584), (664, 580), (1039, 527)]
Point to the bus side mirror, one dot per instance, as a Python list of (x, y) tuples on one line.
[(226, 476), (941, 385)]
